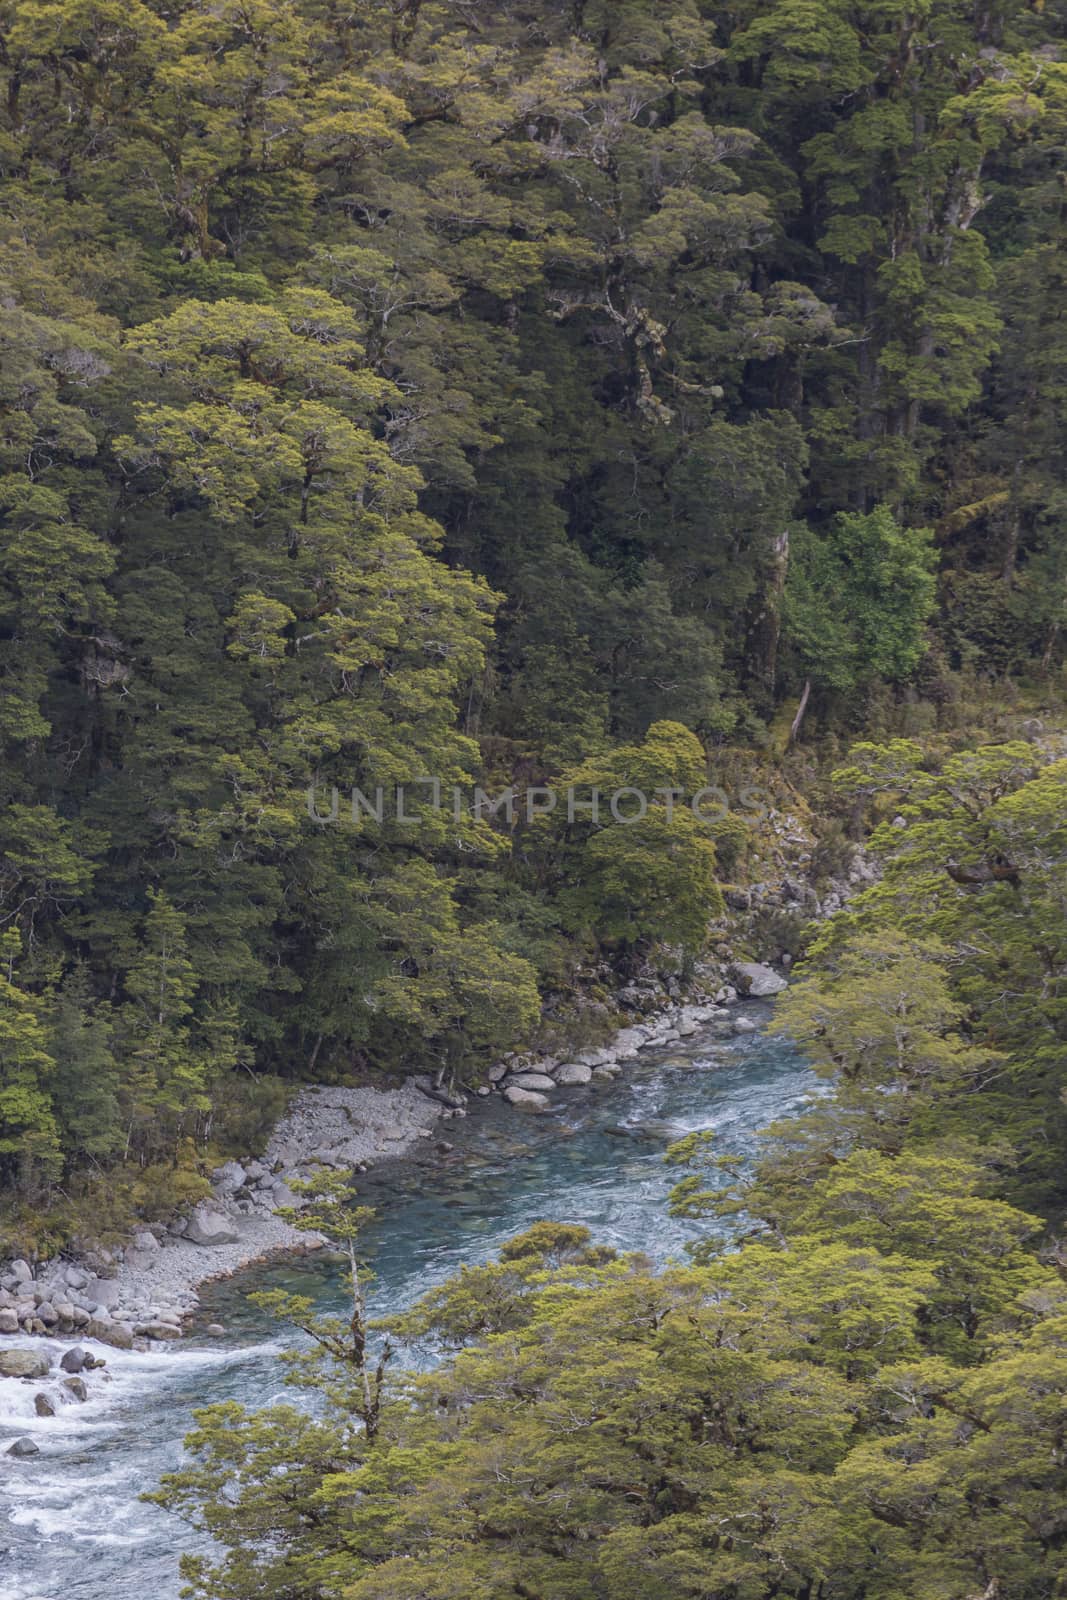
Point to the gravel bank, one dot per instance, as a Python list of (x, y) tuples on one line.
[(143, 1293)]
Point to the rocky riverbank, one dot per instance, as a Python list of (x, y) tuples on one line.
[(139, 1297), (529, 1080), (142, 1294), (136, 1296)]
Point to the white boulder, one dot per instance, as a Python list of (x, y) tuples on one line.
[(573, 1073), (228, 1178), (762, 981), (595, 1058), (209, 1226)]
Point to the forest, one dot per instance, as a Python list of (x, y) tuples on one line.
[(398, 389), (545, 393)]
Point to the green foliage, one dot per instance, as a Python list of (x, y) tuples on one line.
[(29, 1136), (485, 395), (857, 1391), (975, 859), (728, 1426), (637, 860), (858, 600), (545, 393)]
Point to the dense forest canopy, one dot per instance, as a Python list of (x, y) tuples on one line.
[(596, 395), (500, 392)]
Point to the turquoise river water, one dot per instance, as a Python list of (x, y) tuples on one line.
[(71, 1524)]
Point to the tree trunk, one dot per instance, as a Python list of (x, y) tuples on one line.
[(799, 718)]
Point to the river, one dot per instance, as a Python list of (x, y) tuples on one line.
[(71, 1524)]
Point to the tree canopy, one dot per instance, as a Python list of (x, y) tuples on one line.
[(431, 390)]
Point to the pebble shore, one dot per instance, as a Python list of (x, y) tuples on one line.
[(141, 1295)]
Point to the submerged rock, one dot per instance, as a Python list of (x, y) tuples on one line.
[(527, 1098)]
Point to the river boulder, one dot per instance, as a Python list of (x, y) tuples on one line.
[(573, 1073), (539, 1081), (142, 1250), (528, 1099), (139, 1260), (24, 1447), (24, 1364), (118, 1334), (103, 1292), (228, 1178), (595, 1058), (158, 1329), (627, 1043), (75, 1359), (759, 981), (209, 1226)]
